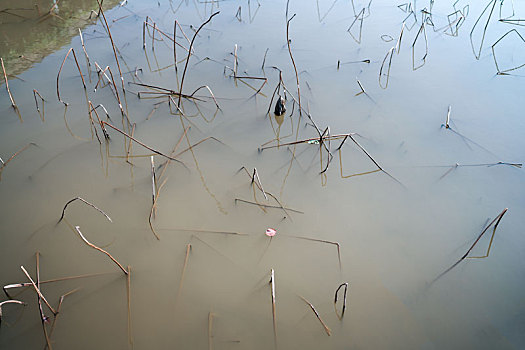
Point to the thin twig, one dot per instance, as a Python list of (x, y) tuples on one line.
[(496, 220), (189, 54), (9, 302), (272, 284), (86, 202), (340, 316), (140, 143), (38, 291), (327, 330), (77, 228), (13, 104)]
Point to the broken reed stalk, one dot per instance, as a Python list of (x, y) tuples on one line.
[(154, 179), (13, 104), (38, 291), (9, 302), (293, 61), (340, 316), (154, 185), (256, 177), (4, 164), (390, 54), (60, 71), (167, 162), (189, 54), (94, 109), (60, 301), (235, 61), (85, 202), (35, 92), (175, 46), (28, 284), (128, 292), (210, 327), (112, 43), (77, 228), (268, 206), (371, 158), (211, 93), (153, 208), (326, 329), (186, 258), (268, 193), (43, 317), (130, 143), (496, 222), (84, 48), (272, 284), (322, 241), (142, 144), (447, 125)]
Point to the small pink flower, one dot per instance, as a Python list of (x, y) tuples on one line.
[(270, 232)]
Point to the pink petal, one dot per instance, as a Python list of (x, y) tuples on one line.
[(270, 232)]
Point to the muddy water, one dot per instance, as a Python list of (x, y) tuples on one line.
[(397, 233)]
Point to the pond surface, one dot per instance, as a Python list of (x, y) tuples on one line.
[(407, 216)]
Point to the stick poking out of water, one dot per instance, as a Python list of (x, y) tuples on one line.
[(77, 228), (189, 54), (340, 316), (9, 302), (38, 291), (326, 329), (496, 222), (272, 284), (86, 202), (13, 104)]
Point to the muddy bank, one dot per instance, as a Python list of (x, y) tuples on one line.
[(31, 30)]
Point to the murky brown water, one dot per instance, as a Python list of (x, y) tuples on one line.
[(396, 234)]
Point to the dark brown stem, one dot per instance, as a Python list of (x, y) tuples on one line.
[(189, 54), (86, 202)]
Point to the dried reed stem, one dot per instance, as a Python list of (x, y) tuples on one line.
[(327, 330), (43, 317), (84, 47), (35, 92), (60, 71), (9, 302), (447, 125), (340, 316), (293, 61), (77, 228), (268, 206), (86, 202), (142, 144), (186, 258), (60, 301), (210, 327), (38, 291), (128, 292), (153, 184), (496, 222), (189, 54), (28, 284), (211, 93), (322, 241), (13, 104), (272, 285), (112, 43), (4, 164)]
